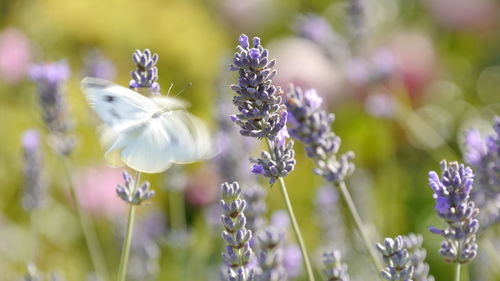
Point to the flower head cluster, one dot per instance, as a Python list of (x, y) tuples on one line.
[(452, 194), (311, 125), (271, 255), (261, 114), (484, 157), (237, 237), (397, 260), (132, 195), (279, 162), (34, 187), (335, 269), (49, 78), (145, 74), (413, 243)]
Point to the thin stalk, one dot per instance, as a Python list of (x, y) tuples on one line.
[(359, 225), (295, 225), (457, 271), (177, 210), (88, 229), (122, 269)]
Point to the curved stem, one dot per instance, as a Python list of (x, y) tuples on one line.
[(457, 272), (359, 225), (295, 225), (88, 229), (296, 229), (122, 269)]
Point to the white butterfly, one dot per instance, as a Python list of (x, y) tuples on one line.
[(146, 134)]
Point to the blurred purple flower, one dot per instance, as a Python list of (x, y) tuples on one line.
[(314, 28), (97, 65), (483, 154), (380, 105), (292, 260), (34, 186), (49, 78), (15, 55), (280, 220)]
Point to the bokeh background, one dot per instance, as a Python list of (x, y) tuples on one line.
[(405, 79)]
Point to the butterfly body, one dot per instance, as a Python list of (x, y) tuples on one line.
[(146, 134)]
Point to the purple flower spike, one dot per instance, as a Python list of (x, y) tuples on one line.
[(258, 100), (261, 113), (238, 252), (34, 186), (483, 154), (312, 126), (453, 205), (146, 73), (49, 78)]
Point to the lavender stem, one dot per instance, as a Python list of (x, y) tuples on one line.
[(295, 225), (177, 210), (457, 271), (122, 269), (359, 224), (89, 232)]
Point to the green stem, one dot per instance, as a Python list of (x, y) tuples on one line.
[(295, 225), (457, 271), (359, 225), (122, 269), (177, 210), (88, 229)]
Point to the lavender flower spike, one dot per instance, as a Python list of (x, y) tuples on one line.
[(413, 243), (452, 194), (279, 162), (271, 255), (396, 259), (311, 125), (49, 78), (146, 73), (335, 269), (261, 114), (237, 237), (34, 187), (130, 196), (483, 154)]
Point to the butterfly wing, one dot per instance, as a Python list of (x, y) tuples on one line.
[(117, 106), (194, 142)]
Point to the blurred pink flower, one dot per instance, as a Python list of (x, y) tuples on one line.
[(305, 64), (464, 14), (249, 15), (15, 55), (96, 191), (202, 187), (416, 60)]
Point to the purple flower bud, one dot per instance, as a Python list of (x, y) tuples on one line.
[(257, 169), (254, 53), (244, 41), (313, 99)]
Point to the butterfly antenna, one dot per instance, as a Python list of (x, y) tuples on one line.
[(185, 88), (170, 88)]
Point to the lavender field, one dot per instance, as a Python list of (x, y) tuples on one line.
[(250, 140)]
